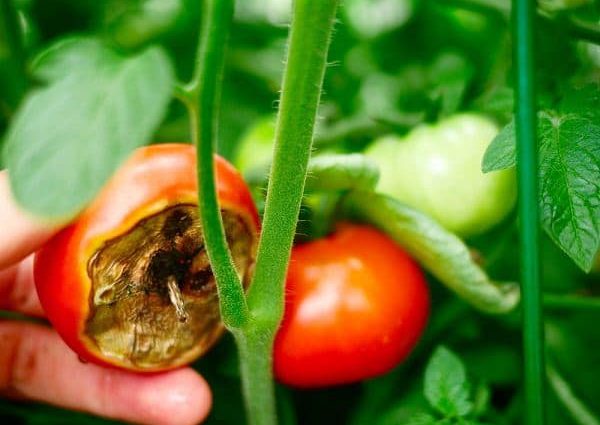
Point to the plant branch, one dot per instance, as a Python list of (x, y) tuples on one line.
[(578, 410), (310, 32), (579, 302), (576, 27), (203, 103), (584, 30), (256, 351), (254, 323)]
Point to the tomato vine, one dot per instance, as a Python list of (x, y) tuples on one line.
[(254, 322)]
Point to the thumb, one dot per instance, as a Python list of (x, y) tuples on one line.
[(21, 232)]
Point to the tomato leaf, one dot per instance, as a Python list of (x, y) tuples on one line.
[(569, 150), (70, 135), (422, 419), (341, 172), (501, 154), (450, 75), (71, 55), (570, 185), (446, 386), (442, 253)]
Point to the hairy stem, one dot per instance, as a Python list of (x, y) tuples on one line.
[(254, 323), (310, 32), (255, 350), (203, 104)]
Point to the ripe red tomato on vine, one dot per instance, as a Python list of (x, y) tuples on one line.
[(128, 283), (356, 305)]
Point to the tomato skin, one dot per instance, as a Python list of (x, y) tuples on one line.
[(437, 169), (153, 178), (356, 305)]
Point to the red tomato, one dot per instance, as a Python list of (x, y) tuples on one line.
[(128, 284), (356, 305)]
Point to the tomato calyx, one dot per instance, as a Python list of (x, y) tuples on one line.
[(148, 282)]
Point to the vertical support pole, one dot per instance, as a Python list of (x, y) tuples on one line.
[(524, 13)]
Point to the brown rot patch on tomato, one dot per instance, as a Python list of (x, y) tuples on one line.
[(154, 301)]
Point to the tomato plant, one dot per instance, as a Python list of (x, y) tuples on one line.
[(128, 283), (437, 169), (431, 97), (356, 305)]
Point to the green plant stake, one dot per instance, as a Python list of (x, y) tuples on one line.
[(527, 170)]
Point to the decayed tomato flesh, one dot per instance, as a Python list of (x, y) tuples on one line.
[(128, 284), (134, 313)]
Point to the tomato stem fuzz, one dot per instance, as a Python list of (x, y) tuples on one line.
[(254, 321), (204, 93)]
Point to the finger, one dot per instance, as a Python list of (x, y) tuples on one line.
[(21, 232), (36, 364), (17, 290)]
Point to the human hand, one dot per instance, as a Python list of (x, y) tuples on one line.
[(36, 364)]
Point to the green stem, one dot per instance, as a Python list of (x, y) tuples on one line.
[(524, 15), (481, 6), (203, 104), (579, 302), (576, 27), (255, 351), (584, 30), (310, 32), (254, 324), (13, 82), (578, 410)]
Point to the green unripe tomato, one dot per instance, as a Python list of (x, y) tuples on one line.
[(255, 149), (437, 169)]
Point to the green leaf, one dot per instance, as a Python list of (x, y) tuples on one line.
[(570, 184), (69, 136), (569, 151), (501, 154), (132, 24), (446, 386), (71, 55), (450, 75), (422, 419), (498, 101), (442, 253), (341, 172)]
